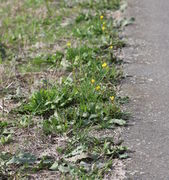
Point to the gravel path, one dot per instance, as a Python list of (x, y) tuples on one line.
[(148, 88)]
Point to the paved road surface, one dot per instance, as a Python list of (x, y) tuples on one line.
[(148, 57)]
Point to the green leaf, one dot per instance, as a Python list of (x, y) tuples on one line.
[(77, 151), (123, 6), (119, 122), (78, 158), (126, 22), (54, 166), (63, 169), (22, 158), (123, 156), (93, 116), (6, 139)]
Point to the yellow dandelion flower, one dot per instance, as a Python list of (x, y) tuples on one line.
[(111, 47), (103, 28), (98, 88), (104, 65), (92, 81), (112, 98), (68, 44), (101, 17)]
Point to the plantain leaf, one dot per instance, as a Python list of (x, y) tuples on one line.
[(119, 122)]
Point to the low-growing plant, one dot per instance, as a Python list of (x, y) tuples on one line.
[(5, 139), (3, 125), (94, 4), (50, 59), (83, 53), (79, 39), (25, 121), (85, 154), (84, 17)]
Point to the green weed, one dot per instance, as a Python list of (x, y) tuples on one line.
[(79, 39)]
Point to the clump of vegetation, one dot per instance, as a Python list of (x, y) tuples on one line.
[(77, 39)]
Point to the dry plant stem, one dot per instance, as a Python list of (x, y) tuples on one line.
[(3, 104)]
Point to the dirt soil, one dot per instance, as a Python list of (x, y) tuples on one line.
[(147, 85)]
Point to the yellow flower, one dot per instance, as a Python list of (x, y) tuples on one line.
[(92, 81), (111, 47), (68, 44), (101, 17), (103, 28), (98, 88), (104, 65), (112, 98)]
